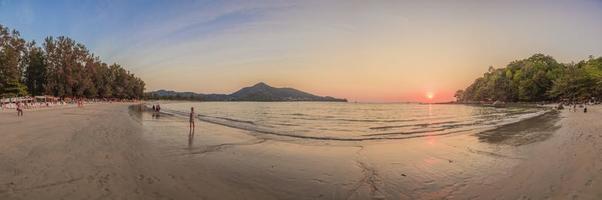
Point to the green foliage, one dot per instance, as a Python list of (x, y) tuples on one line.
[(537, 78), (13, 89), (35, 73), (62, 67), (12, 47), (580, 81)]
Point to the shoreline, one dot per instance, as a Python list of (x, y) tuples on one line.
[(402, 136), (507, 104), (63, 106), (109, 151)]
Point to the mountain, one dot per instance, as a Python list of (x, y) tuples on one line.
[(257, 92)]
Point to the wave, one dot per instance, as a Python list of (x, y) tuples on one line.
[(229, 119), (328, 131), (270, 132), (330, 118), (250, 127), (406, 133), (412, 125)]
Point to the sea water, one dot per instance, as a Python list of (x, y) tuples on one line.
[(351, 121)]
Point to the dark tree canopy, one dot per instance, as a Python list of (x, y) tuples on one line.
[(61, 67), (537, 78)]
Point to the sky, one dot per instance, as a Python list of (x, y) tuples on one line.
[(367, 51)]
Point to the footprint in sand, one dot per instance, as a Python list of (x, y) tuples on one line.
[(589, 182)]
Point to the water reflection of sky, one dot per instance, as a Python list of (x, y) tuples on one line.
[(351, 121)]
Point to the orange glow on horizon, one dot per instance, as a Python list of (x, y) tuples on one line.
[(430, 95)]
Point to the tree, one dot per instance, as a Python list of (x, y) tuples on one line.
[(459, 95), (579, 81), (35, 71), (537, 78), (61, 67), (12, 49), (14, 89)]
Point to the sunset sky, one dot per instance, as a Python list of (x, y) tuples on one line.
[(373, 51)]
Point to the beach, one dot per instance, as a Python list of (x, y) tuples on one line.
[(115, 151)]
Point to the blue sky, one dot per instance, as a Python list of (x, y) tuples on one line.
[(361, 50)]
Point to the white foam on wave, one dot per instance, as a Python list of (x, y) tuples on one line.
[(479, 122)]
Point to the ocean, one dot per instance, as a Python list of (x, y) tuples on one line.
[(351, 121)]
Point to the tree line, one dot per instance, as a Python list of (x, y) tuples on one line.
[(536, 79), (61, 67)]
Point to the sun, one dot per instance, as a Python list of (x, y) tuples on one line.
[(430, 95)]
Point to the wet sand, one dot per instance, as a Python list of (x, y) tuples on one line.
[(111, 152)]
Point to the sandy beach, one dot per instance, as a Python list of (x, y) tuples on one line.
[(112, 151)]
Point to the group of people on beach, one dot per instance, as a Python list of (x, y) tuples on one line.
[(22, 105), (573, 106), (157, 108), (156, 111)]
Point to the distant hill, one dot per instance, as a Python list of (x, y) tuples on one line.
[(257, 92)]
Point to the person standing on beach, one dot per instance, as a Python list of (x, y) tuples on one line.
[(584, 109), (19, 109), (191, 118)]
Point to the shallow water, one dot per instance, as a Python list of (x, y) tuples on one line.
[(351, 121)]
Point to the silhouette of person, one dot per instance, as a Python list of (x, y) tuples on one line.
[(191, 132), (191, 119)]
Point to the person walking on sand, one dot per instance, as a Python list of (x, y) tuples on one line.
[(585, 109), (191, 119)]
